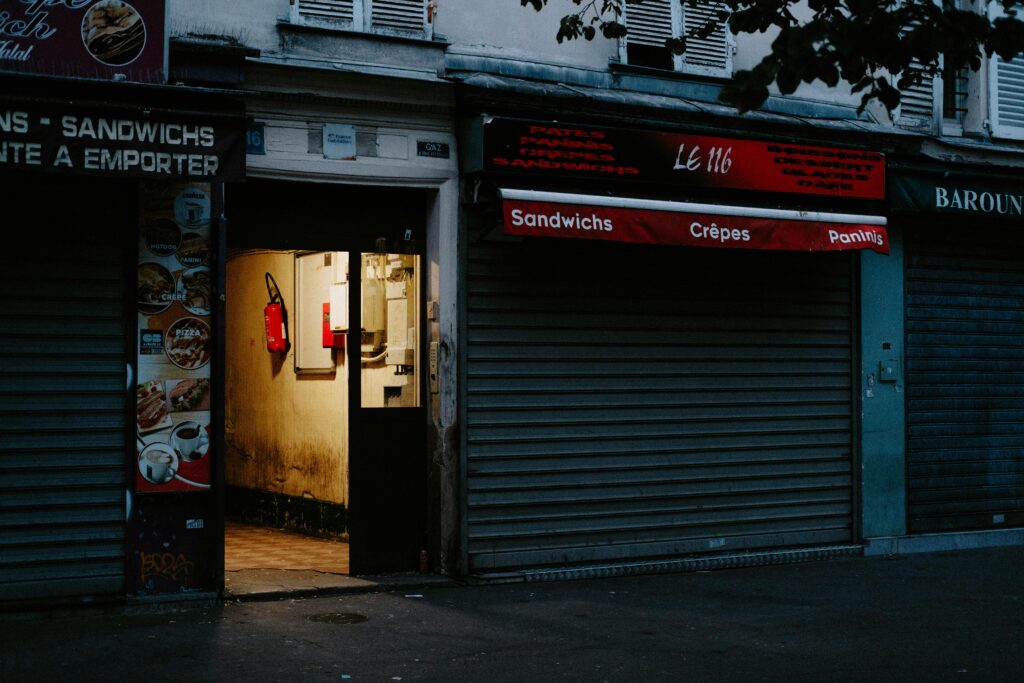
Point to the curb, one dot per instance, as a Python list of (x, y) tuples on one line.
[(367, 584)]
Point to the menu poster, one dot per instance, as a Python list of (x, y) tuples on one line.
[(174, 301), (110, 39)]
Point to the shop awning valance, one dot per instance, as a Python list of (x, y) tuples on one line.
[(650, 221)]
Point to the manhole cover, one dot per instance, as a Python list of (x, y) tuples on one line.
[(338, 618)]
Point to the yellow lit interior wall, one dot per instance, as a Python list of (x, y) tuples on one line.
[(286, 433)]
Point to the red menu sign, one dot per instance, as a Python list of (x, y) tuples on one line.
[(109, 39), (546, 149), (700, 228)]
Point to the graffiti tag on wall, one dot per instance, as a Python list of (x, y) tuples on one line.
[(177, 568)]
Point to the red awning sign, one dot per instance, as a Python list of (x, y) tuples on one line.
[(536, 148), (549, 214)]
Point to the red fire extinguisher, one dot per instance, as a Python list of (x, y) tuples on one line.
[(275, 318)]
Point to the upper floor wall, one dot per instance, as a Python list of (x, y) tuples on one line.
[(438, 37), (503, 30), (986, 103), (400, 33), (391, 36)]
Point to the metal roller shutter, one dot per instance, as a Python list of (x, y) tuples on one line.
[(965, 378), (62, 393), (628, 402)]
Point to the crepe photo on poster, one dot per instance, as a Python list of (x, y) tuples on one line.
[(174, 351), (113, 32)]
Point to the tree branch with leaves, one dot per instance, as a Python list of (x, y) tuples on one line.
[(878, 47)]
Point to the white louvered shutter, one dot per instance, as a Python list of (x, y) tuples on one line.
[(1007, 98), (918, 102), (405, 16), (711, 55), (1006, 88), (341, 10), (650, 22)]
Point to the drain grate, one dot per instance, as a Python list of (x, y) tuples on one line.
[(338, 618)]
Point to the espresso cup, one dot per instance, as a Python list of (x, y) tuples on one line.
[(157, 463), (187, 438)]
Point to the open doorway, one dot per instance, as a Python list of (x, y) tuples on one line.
[(325, 463)]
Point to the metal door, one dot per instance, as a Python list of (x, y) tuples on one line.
[(965, 377), (63, 394), (628, 402)]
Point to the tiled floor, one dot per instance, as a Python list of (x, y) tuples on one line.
[(255, 547)]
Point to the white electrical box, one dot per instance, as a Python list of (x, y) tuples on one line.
[(339, 307)]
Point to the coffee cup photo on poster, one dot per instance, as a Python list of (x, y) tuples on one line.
[(158, 463), (192, 208), (190, 440)]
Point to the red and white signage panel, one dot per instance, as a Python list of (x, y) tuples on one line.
[(693, 225), (681, 159)]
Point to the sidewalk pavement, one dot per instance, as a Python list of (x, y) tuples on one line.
[(929, 617)]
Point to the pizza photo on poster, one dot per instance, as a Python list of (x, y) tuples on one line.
[(187, 343)]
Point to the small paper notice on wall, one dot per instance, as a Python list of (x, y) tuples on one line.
[(339, 141)]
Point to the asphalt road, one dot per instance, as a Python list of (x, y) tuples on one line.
[(955, 616)]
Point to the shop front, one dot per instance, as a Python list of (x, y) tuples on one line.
[(111, 190), (661, 351), (964, 283)]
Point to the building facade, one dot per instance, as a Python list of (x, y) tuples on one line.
[(481, 303)]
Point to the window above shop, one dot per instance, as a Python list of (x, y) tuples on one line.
[(964, 101), (653, 22), (1006, 89), (936, 104), (410, 18), (917, 101)]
